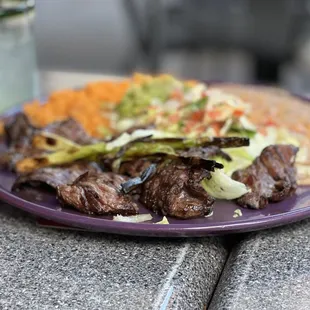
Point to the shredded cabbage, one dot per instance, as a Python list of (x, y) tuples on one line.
[(221, 186)]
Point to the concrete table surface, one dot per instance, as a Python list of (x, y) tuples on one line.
[(42, 268), (268, 270)]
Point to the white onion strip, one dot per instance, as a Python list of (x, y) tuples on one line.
[(133, 218)]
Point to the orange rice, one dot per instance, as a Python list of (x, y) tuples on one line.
[(86, 105)]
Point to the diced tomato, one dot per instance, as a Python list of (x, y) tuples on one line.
[(200, 129), (177, 95), (263, 131), (270, 122), (238, 113), (197, 115), (189, 126), (214, 114), (216, 127), (174, 118)]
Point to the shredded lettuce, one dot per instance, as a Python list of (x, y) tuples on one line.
[(221, 186), (240, 162), (243, 127), (237, 213), (197, 105)]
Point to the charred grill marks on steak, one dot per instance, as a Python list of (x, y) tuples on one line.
[(135, 167), (18, 132), (55, 176), (192, 156), (71, 130), (175, 190), (271, 177), (98, 194), (205, 153)]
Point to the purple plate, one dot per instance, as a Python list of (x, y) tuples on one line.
[(43, 203)]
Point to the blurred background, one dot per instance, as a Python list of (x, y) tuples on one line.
[(52, 44)]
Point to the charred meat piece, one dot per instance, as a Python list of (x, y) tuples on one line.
[(18, 131), (9, 159), (271, 177), (135, 167), (226, 142), (175, 190), (130, 130), (205, 153), (98, 194), (71, 130), (55, 176)]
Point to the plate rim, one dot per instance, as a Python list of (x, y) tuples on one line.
[(150, 229)]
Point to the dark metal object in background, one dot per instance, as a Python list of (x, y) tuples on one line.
[(269, 30)]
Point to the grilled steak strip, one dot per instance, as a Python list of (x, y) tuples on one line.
[(272, 177), (134, 168), (54, 176), (175, 190), (98, 194), (205, 153), (71, 130), (194, 155), (19, 133)]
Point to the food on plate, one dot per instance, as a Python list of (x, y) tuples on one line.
[(271, 177), (205, 153), (55, 176), (69, 129), (22, 138), (125, 149), (85, 105), (134, 183), (172, 146), (133, 218), (221, 186), (165, 220), (18, 131), (98, 194), (135, 167), (175, 190)]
